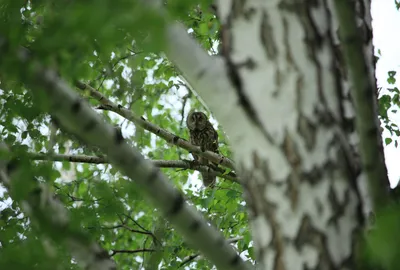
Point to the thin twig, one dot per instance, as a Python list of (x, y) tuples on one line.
[(183, 164), (116, 251)]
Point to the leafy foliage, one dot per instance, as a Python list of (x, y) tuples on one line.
[(389, 103), (107, 45)]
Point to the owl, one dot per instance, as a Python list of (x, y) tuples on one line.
[(204, 135)]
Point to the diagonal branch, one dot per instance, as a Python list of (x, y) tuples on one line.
[(140, 121), (51, 216), (77, 117), (182, 164)]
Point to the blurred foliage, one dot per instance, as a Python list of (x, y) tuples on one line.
[(106, 44), (379, 250), (388, 103)]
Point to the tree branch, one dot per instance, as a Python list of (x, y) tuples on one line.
[(76, 116), (141, 122), (182, 164), (51, 216), (197, 256), (115, 251), (122, 226)]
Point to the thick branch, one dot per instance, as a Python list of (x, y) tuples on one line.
[(363, 93), (52, 217), (182, 164), (76, 116), (140, 121)]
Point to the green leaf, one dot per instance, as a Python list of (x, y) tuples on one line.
[(388, 141)]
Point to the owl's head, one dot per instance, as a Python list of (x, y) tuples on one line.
[(196, 121)]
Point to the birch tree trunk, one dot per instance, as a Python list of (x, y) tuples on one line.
[(291, 124)]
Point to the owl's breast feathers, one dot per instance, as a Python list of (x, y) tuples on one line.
[(207, 138)]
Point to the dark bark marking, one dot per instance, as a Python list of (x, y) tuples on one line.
[(288, 53), (266, 37), (237, 8), (12, 165), (289, 147), (90, 125), (102, 255), (194, 226), (201, 74), (118, 136), (307, 131), (313, 176), (76, 106), (235, 260), (243, 100), (177, 205), (293, 190), (248, 63)]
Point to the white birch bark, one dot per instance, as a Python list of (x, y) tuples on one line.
[(290, 121)]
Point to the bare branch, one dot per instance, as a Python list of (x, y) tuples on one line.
[(141, 122), (183, 164)]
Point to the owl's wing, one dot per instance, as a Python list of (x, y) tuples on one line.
[(193, 141), (214, 145)]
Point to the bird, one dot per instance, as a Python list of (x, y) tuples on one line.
[(203, 134)]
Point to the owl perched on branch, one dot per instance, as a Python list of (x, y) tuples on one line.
[(203, 134)]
